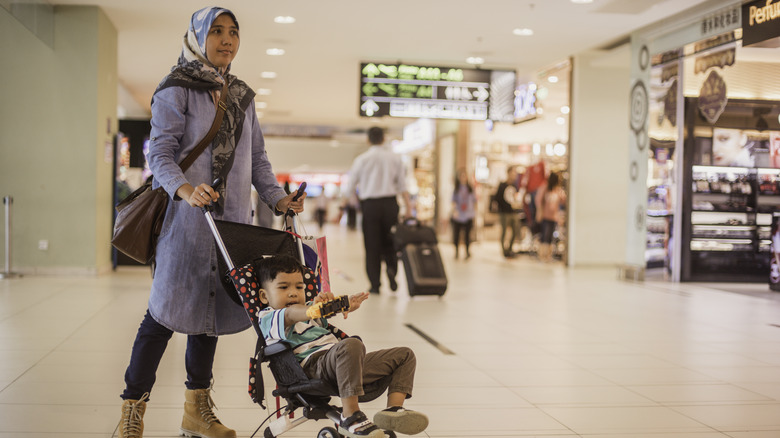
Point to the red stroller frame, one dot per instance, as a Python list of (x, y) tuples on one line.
[(298, 390)]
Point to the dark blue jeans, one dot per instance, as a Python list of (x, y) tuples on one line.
[(148, 349)]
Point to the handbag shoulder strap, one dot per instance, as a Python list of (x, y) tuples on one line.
[(221, 107)]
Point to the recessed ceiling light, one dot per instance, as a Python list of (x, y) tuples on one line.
[(475, 60), (261, 104), (284, 19), (275, 51), (268, 75), (552, 79), (560, 120), (581, 2), (263, 91), (259, 114), (523, 32), (565, 109)]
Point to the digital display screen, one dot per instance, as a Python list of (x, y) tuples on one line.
[(414, 91)]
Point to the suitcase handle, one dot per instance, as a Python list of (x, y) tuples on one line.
[(412, 221)]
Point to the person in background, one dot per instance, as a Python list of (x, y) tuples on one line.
[(321, 211), (463, 211), (508, 204), (378, 177), (534, 178), (549, 201), (187, 295)]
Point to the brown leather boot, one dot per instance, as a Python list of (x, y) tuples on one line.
[(131, 425), (199, 419)]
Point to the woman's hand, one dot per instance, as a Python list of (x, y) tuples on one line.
[(287, 203), (355, 301), (199, 196)]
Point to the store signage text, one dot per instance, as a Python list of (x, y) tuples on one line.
[(720, 22), (769, 12), (404, 90), (760, 21)]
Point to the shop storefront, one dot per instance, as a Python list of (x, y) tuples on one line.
[(712, 137), (536, 144)]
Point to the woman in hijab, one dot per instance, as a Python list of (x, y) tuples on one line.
[(186, 296)]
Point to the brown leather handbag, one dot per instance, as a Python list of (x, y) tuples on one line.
[(141, 214)]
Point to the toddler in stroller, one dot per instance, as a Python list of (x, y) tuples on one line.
[(312, 360)]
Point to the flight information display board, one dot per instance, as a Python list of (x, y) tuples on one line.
[(415, 91)]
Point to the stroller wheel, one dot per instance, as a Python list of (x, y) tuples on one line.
[(390, 433), (328, 432)]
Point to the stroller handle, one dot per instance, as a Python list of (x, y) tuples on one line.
[(217, 237), (290, 220)]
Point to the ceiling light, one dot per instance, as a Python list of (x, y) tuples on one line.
[(475, 60), (261, 104), (268, 75), (259, 114), (565, 109), (552, 79), (523, 32), (581, 2), (263, 91), (284, 19), (274, 51), (560, 120)]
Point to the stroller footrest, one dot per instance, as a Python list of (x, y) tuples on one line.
[(285, 423)]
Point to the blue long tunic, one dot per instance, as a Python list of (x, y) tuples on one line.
[(186, 294)]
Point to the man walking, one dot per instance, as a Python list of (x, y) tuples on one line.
[(378, 176)]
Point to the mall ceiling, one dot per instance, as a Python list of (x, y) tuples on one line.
[(317, 79)]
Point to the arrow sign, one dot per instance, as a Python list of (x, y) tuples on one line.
[(370, 70), (369, 89), (481, 94), (369, 107)]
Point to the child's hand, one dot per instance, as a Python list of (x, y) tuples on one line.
[(323, 297), (355, 301)]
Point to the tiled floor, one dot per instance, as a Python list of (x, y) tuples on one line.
[(539, 350)]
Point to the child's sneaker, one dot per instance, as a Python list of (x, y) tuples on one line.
[(401, 420), (358, 426)]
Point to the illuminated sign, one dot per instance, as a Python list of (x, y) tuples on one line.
[(761, 22), (525, 102), (403, 90)]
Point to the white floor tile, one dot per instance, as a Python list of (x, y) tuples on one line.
[(536, 350)]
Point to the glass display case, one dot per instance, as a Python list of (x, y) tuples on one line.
[(728, 199)]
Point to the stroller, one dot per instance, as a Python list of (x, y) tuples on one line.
[(247, 243)]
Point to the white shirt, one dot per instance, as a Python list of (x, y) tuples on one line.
[(377, 173)]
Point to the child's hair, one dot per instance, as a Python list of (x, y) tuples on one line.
[(268, 268)]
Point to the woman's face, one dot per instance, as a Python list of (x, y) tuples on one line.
[(222, 41), (726, 145)]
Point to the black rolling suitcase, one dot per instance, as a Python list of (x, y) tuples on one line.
[(419, 252)]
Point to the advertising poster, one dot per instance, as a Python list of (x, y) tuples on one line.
[(774, 149), (774, 265), (730, 147)]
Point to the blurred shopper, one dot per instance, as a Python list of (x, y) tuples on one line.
[(463, 211), (321, 210), (534, 178), (378, 177), (549, 201), (186, 295), (508, 204)]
